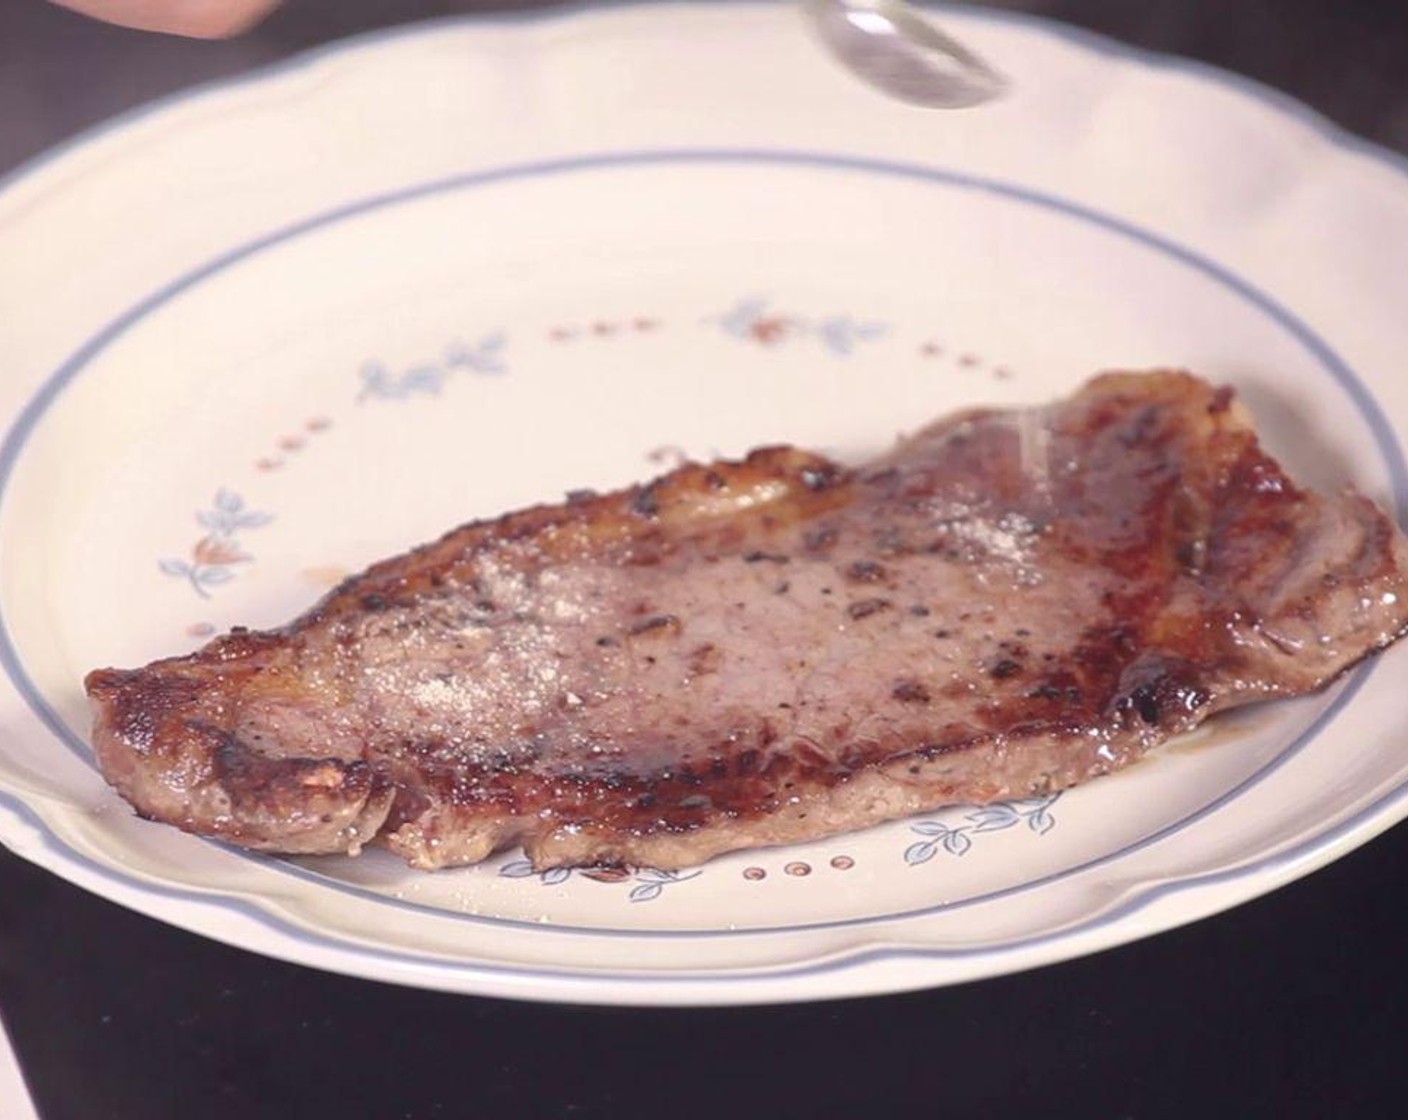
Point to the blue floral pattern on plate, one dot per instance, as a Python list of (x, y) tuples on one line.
[(957, 839), (486, 356), (752, 319), (649, 882), (213, 557)]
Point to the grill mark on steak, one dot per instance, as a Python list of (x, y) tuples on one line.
[(626, 679)]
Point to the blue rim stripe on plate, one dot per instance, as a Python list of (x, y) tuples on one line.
[(1384, 435)]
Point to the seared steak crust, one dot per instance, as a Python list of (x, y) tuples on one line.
[(777, 649)]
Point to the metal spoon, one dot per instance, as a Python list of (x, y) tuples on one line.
[(889, 45)]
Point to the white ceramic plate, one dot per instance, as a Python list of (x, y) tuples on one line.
[(257, 337)]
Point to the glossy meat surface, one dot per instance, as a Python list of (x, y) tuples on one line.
[(777, 649)]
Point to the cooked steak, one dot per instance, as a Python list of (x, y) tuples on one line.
[(777, 649)]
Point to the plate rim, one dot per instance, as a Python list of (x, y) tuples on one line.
[(1321, 847)]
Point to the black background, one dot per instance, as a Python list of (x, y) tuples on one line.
[(1292, 1005)]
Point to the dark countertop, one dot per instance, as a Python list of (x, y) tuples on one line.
[(1293, 1005)]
